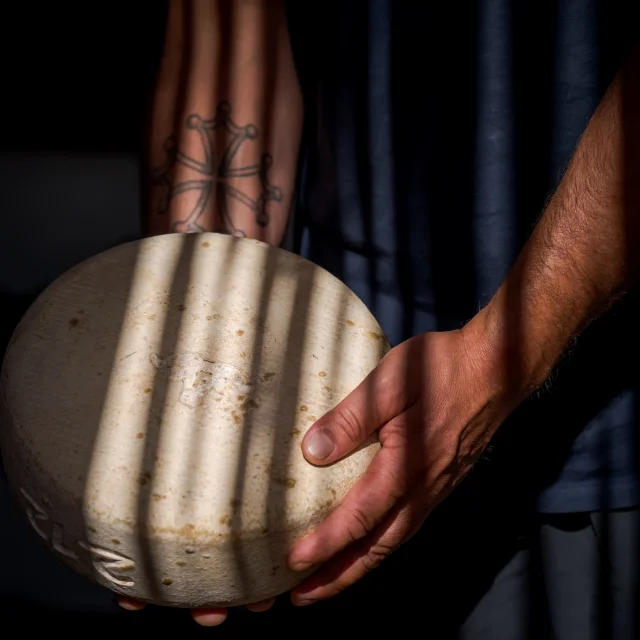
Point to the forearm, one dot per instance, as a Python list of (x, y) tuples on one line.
[(225, 123), (582, 255)]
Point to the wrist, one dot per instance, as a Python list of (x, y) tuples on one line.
[(513, 360)]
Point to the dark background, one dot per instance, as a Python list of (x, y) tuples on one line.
[(74, 88)]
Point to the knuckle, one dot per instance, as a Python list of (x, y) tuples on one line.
[(347, 422), (374, 557), (397, 480), (358, 525)]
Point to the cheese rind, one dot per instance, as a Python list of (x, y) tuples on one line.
[(154, 402)]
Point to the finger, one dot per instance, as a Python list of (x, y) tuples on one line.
[(263, 605), (130, 604), (364, 506), (209, 617), (361, 558), (381, 396)]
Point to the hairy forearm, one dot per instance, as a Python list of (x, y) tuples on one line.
[(582, 255), (225, 122)]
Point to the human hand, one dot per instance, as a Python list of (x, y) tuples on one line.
[(204, 617), (435, 403)]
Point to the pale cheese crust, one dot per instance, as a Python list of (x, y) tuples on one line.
[(154, 401)]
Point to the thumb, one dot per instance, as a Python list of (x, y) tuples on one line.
[(380, 397)]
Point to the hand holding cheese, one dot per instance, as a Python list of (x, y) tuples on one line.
[(154, 401), (437, 399)]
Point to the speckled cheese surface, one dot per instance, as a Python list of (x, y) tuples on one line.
[(154, 399)]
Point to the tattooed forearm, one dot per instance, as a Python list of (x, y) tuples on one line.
[(236, 185)]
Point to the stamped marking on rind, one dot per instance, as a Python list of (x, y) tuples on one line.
[(199, 376), (35, 513), (105, 561), (57, 541)]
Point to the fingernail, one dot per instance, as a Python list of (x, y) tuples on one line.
[(303, 565), (300, 554), (305, 603), (128, 604), (320, 445)]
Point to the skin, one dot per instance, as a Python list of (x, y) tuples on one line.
[(230, 60), (225, 121), (437, 399)]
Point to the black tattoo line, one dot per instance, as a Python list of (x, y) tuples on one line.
[(215, 176)]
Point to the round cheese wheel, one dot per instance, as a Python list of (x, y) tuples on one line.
[(154, 399)]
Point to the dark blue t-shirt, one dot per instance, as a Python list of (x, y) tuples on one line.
[(435, 132)]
